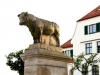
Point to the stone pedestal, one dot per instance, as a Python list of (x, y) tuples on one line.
[(42, 59)]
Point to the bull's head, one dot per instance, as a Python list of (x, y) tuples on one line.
[(23, 18)]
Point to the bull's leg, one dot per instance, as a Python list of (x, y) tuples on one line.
[(40, 38), (41, 32), (36, 40), (56, 33), (58, 41)]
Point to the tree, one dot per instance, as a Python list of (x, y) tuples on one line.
[(15, 62), (82, 63)]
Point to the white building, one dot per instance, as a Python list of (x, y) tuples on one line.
[(86, 39)]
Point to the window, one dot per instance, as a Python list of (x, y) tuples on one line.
[(92, 28), (95, 70), (88, 48), (69, 53), (98, 47)]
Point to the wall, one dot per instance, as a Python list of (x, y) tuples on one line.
[(64, 49), (80, 39)]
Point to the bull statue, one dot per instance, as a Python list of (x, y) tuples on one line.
[(42, 31)]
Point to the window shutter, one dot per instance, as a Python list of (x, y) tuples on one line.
[(71, 52), (85, 30), (98, 27), (62, 51)]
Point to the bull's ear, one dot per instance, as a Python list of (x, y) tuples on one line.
[(26, 14)]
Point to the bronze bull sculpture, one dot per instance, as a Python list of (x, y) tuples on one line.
[(42, 31)]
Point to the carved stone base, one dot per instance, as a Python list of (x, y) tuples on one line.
[(42, 59)]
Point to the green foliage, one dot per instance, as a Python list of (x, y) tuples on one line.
[(81, 61), (15, 62)]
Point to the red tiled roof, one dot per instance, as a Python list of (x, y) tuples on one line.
[(70, 61), (93, 13), (67, 44)]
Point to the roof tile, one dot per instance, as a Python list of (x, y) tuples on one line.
[(93, 13), (67, 44), (70, 61)]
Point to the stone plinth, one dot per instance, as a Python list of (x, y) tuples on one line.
[(42, 59)]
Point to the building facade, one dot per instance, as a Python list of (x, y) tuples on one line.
[(86, 39)]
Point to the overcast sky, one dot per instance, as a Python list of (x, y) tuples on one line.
[(14, 37)]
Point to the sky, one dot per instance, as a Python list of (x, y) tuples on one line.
[(14, 37)]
